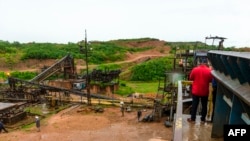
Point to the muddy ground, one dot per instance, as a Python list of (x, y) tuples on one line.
[(83, 124)]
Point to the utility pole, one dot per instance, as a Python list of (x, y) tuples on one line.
[(85, 50), (87, 67)]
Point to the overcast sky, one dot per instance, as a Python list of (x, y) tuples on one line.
[(63, 21)]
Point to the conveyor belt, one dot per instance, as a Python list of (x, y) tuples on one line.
[(46, 87), (66, 62)]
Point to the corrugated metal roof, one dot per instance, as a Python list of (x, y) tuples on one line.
[(6, 105)]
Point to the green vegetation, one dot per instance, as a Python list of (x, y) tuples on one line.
[(3, 75), (27, 127), (101, 52), (143, 87), (145, 76), (151, 70), (188, 45), (130, 87), (6, 47), (11, 59), (35, 110), (23, 75), (124, 90), (108, 67), (42, 51), (142, 77), (106, 52), (198, 45), (26, 75)]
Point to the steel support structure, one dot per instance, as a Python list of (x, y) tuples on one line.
[(231, 71)]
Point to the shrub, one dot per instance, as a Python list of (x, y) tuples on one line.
[(151, 70)]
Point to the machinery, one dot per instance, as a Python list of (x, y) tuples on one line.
[(65, 65), (38, 89), (220, 47)]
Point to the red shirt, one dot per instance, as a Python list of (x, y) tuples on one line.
[(201, 77)]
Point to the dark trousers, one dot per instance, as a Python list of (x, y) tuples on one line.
[(2, 128), (139, 115), (195, 104)]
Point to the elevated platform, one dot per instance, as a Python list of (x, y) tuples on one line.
[(185, 131), (232, 102), (196, 131)]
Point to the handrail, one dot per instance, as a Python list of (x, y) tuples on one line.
[(177, 128)]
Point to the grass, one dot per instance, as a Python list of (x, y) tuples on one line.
[(129, 87), (144, 87), (36, 110), (28, 127)]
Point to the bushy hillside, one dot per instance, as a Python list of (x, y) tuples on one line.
[(33, 56), (18, 57), (101, 52)]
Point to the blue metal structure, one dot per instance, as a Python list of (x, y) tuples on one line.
[(232, 73)]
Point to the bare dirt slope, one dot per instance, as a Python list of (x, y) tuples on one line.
[(72, 125)]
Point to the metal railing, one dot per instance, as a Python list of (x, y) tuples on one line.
[(177, 128)]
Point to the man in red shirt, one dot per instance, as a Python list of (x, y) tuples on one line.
[(201, 77)]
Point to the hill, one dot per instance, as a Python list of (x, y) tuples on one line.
[(137, 50)]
